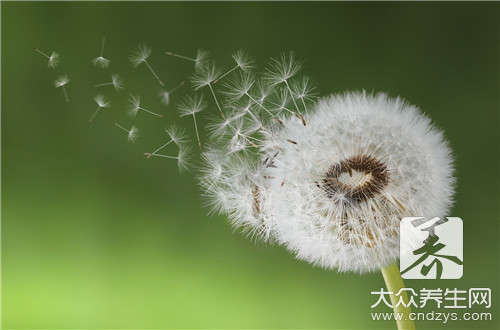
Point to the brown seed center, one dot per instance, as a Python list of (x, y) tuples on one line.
[(355, 179)]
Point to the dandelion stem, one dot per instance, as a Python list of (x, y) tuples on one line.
[(160, 155), (65, 93), (123, 128), (163, 146), (295, 103), (394, 283), (225, 74), (177, 87), (298, 115), (154, 74), (196, 130), (262, 106), (291, 94), (181, 56), (151, 112), (95, 113), (102, 46), (216, 102), (303, 103), (40, 52), (104, 84)]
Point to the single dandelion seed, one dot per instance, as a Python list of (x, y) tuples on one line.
[(101, 103), (139, 56), (133, 132), (53, 59), (206, 76), (304, 91), (177, 135), (116, 81), (183, 157), (243, 62), (61, 81), (281, 70), (100, 60), (201, 57), (165, 95), (135, 107), (190, 107)]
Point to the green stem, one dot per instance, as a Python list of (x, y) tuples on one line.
[(394, 283)]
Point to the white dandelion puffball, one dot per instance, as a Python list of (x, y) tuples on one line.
[(334, 191)]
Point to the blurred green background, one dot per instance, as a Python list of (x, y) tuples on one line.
[(96, 236)]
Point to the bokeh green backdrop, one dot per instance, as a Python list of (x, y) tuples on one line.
[(96, 236)]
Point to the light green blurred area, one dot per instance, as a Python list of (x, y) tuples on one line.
[(96, 236)]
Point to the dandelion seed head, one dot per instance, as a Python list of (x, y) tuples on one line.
[(61, 81), (336, 195), (101, 101), (140, 55)]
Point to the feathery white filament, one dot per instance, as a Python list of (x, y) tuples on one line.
[(53, 59), (101, 60), (62, 81), (135, 107), (140, 55), (132, 132)]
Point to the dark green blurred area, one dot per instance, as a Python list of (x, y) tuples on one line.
[(96, 236)]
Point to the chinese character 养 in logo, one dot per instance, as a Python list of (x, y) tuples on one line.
[(431, 248)]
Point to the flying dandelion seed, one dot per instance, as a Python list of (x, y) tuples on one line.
[(199, 60), (177, 135), (101, 103), (243, 62), (207, 75), (135, 107), (132, 133), (304, 91), (139, 56), (62, 81), (116, 82), (165, 95), (100, 60), (190, 107), (53, 59)]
